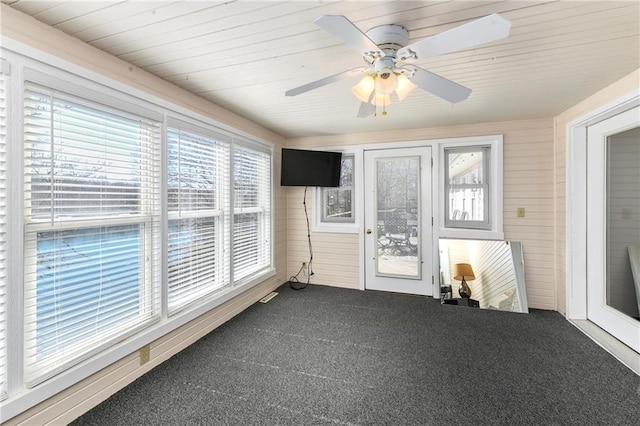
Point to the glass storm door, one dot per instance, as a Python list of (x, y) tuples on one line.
[(398, 234), (613, 223)]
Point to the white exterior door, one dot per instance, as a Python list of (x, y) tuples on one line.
[(613, 225), (398, 224)]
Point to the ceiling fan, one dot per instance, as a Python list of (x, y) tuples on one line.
[(389, 71)]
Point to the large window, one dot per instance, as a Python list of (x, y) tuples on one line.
[(198, 204), (122, 218), (251, 211), (90, 227)]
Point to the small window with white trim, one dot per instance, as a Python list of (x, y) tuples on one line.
[(471, 188), (337, 208), (338, 203), (466, 187)]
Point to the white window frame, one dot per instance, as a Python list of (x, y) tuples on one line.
[(221, 215), (20, 57), (264, 210), (37, 371), (485, 185), (352, 226), (493, 230)]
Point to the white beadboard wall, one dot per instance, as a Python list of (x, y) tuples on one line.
[(74, 401), (603, 97), (335, 256), (528, 182)]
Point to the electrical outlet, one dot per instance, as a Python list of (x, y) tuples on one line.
[(304, 264), (520, 212), (145, 354)]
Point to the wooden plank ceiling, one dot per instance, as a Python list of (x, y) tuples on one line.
[(243, 55)]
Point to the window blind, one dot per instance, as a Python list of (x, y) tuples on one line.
[(198, 175), (91, 225), (3, 232), (252, 211)]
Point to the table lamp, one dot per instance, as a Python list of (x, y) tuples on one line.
[(463, 272)]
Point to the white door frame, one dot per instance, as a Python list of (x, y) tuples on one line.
[(616, 323), (424, 284), (576, 202)]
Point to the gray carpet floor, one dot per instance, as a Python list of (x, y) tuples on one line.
[(331, 356)]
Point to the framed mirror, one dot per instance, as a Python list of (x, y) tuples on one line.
[(484, 274)]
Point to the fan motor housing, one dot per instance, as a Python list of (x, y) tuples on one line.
[(389, 38)]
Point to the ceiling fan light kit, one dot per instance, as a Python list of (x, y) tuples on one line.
[(363, 89), (389, 57), (405, 87)]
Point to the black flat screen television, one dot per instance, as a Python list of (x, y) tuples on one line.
[(310, 168)]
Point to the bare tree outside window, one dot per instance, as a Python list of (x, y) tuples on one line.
[(338, 203)]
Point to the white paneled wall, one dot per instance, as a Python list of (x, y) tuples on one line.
[(528, 182), (335, 256)]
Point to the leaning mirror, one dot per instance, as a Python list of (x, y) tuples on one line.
[(484, 274)]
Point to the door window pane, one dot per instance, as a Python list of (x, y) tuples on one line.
[(397, 194)]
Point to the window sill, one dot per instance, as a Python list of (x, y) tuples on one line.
[(347, 228), (475, 234)]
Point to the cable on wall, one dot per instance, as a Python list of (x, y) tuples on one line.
[(294, 282)]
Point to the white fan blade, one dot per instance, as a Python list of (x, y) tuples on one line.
[(440, 86), (324, 81), (366, 109), (481, 31), (345, 30)]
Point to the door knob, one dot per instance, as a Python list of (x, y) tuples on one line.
[(368, 230)]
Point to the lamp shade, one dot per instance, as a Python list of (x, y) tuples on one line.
[(380, 100), (463, 271), (405, 86), (363, 89), (386, 83)]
